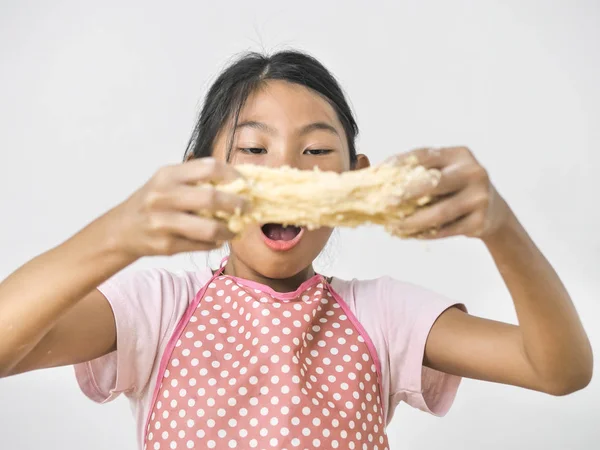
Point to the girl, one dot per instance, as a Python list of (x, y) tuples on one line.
[(263, 352)]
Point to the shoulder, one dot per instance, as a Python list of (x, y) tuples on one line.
[(152, 295), (387, 297), (156, 283)]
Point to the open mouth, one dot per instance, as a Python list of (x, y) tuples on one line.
[(278, 237)]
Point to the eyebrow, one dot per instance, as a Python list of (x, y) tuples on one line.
[(319, 126), (257, 126), (305, 130)]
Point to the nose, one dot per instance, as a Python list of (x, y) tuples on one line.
[(284, 155)]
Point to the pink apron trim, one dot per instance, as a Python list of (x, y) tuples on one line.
[(279, 295), (361, 330), (164, 362)]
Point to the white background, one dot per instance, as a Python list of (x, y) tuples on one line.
[(95, 96)]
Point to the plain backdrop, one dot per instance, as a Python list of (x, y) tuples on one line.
[(95, 96)]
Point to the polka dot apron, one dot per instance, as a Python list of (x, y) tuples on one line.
[(249, 368)]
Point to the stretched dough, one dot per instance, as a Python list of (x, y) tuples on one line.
[(313, 198)]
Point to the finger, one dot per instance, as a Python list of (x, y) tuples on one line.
[(201, 198), (192, 227), (430, 157), (207, 170), (464, 226), (439, 213), (453, 178), (420, 187), (182, 245)]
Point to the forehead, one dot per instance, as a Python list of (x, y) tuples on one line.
[(283, 104)]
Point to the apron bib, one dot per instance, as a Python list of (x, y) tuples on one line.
[(249, 368)]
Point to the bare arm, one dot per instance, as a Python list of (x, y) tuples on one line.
[(50, 311), (549, 350)]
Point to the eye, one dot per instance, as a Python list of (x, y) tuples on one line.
[(253, 150), (317, 151)]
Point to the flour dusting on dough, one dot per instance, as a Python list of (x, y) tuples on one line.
[(313, 198)]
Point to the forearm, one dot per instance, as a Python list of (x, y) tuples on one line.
[(36, 295), (553, 337)]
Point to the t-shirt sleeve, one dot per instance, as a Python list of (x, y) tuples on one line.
[(146, 305), (410, 313)]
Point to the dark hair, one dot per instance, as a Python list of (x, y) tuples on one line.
[(228, 93)]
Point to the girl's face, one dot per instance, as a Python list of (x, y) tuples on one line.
[(284, 124)]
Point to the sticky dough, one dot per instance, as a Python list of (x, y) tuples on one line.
[(313, 198)]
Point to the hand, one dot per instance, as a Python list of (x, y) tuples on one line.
[(161, 217), (464, 202)]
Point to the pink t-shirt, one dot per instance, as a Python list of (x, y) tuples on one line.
[(148, 305)]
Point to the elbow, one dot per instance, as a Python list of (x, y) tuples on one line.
[(571, 382)]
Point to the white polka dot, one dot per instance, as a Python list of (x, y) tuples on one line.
[(243, 412), (286, 331), (295, 421), (264, 432), (253, 443), (306, 431), (285, 389), (286, 349), (264, 349), (295, 442), (211, 444), (232, 444), (222, 433), (210, 402), (264, 390), (243, 432), (284, 431)]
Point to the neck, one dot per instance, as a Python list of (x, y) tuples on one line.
[(237, 268)]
